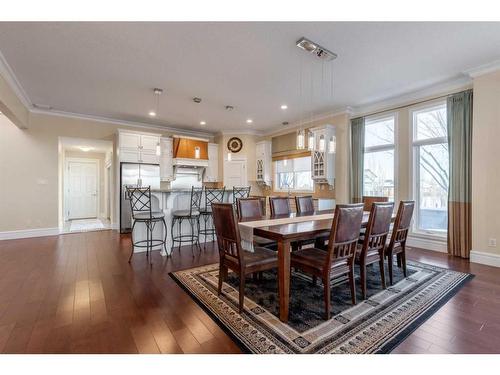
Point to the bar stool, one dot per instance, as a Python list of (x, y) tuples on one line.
[(240, 192), (211, 196), (193, 216), (140, 206)]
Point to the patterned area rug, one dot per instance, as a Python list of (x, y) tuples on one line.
[(376, 325)]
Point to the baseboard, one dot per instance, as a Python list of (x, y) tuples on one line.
[(427, 243), (28, 233), (488, 259)]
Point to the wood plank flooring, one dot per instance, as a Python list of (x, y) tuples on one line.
[(76, 293)]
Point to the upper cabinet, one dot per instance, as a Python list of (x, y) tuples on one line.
[(139, 148), (212, 171), (323, 154), (263, 157), (166, 166)]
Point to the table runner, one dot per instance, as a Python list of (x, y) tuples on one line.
[(246, 228)]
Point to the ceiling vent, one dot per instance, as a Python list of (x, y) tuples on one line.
[(314, 48)]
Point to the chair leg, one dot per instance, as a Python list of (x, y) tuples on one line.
[(362, 271), (382, 270), (165, 237), (147, 240), (222, 271), (132, 239), (197, 222), (242, 292), (390, 261), (314, 280), (326, 289), (151, 228), (398, 257), (192, 234), (352, 284), (403, 259), (179, 222)]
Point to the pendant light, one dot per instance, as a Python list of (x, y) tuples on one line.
[(332, 147), (310, 143), (301, 139), (197, 152), (153, 113)]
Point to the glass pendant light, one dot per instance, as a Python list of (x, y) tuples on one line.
[(322, 143), (196, 152), (311, 141), (158, 149), (301, 139), (332, 148)]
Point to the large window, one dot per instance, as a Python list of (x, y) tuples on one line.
[(431, 169), (378, 174), (293, 174)]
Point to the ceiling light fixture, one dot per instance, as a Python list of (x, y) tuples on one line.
[(86, 148), (229, 107), (249, 121), (157, 92), (197, 100), (152, 113), (284, 106), (314, 48), (203, 123)]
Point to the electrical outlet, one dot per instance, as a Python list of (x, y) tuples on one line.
[(492, 242)]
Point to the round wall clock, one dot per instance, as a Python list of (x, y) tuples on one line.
[(234, 144)]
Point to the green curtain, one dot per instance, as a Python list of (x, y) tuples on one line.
[(459, 118), (357, 158)]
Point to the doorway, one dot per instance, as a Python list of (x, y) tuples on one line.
[(82, 189), (235, 173)]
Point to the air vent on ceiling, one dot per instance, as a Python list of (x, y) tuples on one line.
[(314, 48)]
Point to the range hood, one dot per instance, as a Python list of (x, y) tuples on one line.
[(190, 155)]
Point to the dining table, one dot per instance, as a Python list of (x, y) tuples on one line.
[(288, 229)]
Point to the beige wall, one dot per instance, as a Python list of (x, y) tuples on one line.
[(486, 163)]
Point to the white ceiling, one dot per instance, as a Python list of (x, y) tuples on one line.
[(109, 69)]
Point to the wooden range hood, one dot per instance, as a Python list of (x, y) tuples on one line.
[(184, 148)]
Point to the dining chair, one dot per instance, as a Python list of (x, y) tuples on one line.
[(369, 200), (397, 243), (304, 204), (373, 248), (240, 192), (141, 208), (252, 209), (338, 260), (232, 256), (280, 206)]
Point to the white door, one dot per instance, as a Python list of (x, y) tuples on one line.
[(235, 173), (82, 189)]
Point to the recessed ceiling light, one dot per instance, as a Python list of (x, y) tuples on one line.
[(249, 121), (284, 106), (152, 113), (203, 123), (86, 148)]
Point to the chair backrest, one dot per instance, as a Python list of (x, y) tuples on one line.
[(378, 226), (140, 199), (250, 208), (213, 196), (196, 194), (344, 235), (228, 233), (280, 206), (369, 200), (402, 222), (240, 192), (304, 204)]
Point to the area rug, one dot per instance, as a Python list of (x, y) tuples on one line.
[(375, 325)]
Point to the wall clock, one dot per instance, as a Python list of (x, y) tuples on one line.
[(234, 144)]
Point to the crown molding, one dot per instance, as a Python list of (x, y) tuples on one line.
[(483, 69), (407, 99), (108, 120), (240, 132), (8, 74)]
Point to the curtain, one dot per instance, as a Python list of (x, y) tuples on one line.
[(459, 118), (357, 158)]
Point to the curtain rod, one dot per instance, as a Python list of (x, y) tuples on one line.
[(411, 104)]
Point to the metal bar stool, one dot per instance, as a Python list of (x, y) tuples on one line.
[(193, 216), (140, 206), (211, 196), (240, 192)]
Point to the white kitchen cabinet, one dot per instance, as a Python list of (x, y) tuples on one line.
[(322, 157), (263, 157), (166, 166), (137, 147), (212, 171)]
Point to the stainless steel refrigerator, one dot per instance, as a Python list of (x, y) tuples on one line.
[(136, 175)]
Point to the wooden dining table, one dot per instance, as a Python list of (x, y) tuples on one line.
[(284, 235)]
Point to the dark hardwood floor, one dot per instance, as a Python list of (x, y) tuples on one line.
[(77, 293)]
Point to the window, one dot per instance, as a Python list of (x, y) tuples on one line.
[(378, 174), (293, 174), (431, 169)]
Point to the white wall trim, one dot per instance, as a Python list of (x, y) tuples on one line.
[(8, 74), (427, 244), (488, 259), (483, 69), (28, 233)]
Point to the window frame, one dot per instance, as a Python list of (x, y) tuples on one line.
[(276, 189), (387, 147), (414, 174)]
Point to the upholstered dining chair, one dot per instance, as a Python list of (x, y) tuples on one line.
[(280, 206), (373, 248), (304, 204), (232, 256), (252, 209), (397, 243), (338, 260), (369, 200)]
